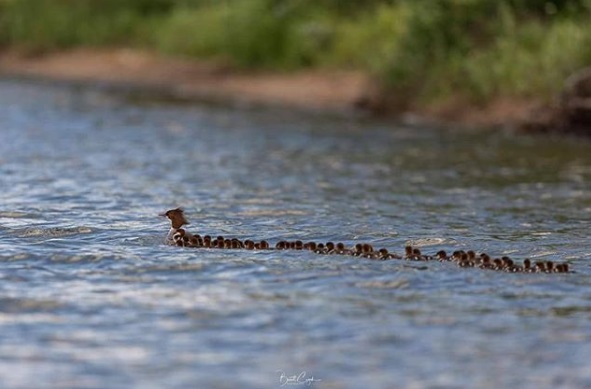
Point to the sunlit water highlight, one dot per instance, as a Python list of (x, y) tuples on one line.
[(91, 298)]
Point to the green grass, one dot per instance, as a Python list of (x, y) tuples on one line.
[(421, 50)]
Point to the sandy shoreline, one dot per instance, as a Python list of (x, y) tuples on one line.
[(334, 92)]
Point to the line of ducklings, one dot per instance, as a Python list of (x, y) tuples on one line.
[(365, 250)]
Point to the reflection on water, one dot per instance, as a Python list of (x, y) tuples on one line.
[(91, 298)]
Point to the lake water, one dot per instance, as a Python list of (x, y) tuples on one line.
[(90, 297)]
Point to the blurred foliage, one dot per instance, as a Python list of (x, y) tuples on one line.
[(422, 49)]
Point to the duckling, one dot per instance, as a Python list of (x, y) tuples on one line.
[(497, 264), (194, 241), (408, 252), (299, 245), (417, 255), (264, 245), (178, 240), (464, 257), (358, 250), (330, 248), (550, 267), (465, 261), (320, 249), (540, 267), (457, 255), (249, 244), (471, 256), (442, 256), (179, 233), (367, 250), (179, 237), (310, 246), (383, 254), (227, 243), (486, 263), (527, 265), (280, 245), (563, 268), (507, 263), (341, 249), (237, 244)]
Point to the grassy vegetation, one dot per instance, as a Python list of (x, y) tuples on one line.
[(421, 49)]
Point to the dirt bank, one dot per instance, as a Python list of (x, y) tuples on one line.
[(342, 92)]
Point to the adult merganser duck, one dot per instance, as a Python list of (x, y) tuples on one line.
[(177, 220)]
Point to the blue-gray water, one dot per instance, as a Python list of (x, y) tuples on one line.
[(91, 298)]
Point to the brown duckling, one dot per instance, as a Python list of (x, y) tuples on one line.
[(418, 256), (383, 254), (457, 255), (565, 267), (249, 244), (358, 250), (540, 266), (497, 264), (550, 267), (194, 241), (527, 265), (509, 265), (442, 256), (264, 245), (486, 262), (320, 249), (408, 252), (237, 244), (341, 249), (367, 249), (310, 246), (330, 246), (179, 237)]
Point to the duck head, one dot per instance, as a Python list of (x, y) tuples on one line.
[(176, 217)]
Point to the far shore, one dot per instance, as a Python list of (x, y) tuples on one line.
[(340, 92)]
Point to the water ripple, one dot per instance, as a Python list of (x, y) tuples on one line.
[(90, 297)]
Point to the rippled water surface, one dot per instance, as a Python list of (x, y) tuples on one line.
[(90, 297)]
